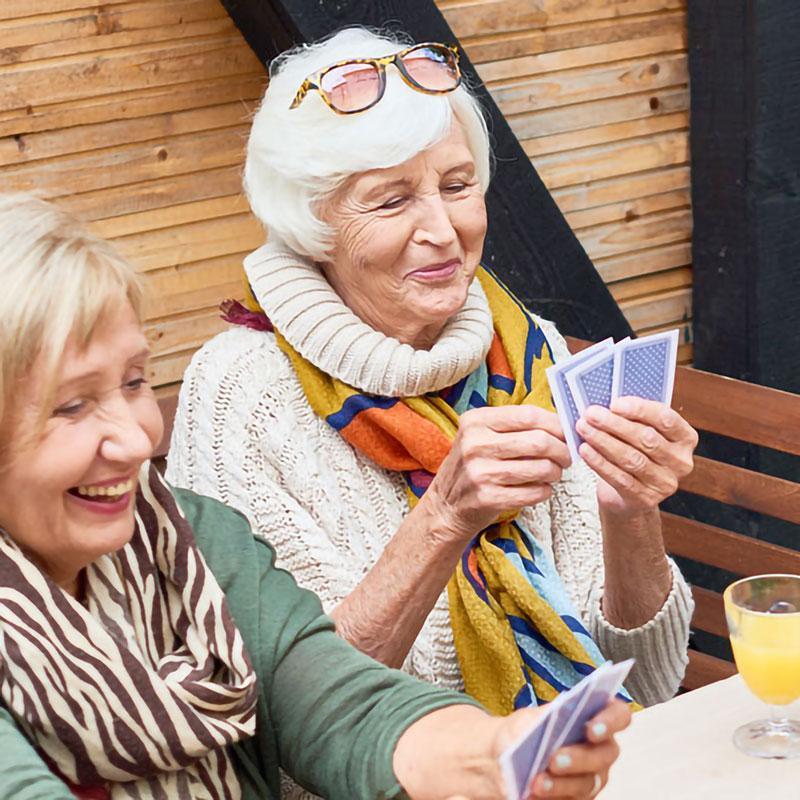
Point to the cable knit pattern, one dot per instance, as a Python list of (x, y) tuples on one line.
[(245, 434), (307, 311)]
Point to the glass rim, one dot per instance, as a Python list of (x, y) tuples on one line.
[(727, 594)]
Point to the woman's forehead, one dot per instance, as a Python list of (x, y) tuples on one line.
[(448, 154), (116, 339)]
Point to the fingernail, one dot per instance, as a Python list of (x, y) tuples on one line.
[(599, 729), (547, 785), (563, 761)]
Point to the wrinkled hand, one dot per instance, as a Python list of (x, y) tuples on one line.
[(639, 449), (570, 772), (502, 458)]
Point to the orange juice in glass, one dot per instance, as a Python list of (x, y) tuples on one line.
[(763, 614)]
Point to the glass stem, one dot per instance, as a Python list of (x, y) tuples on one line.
[(777, 718)]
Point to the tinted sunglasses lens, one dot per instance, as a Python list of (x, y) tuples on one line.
[(432, 67), (351, 87)]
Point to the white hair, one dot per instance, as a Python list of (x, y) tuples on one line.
[(296, 158)]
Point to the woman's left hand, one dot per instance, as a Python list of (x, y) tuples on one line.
[(639, 449)]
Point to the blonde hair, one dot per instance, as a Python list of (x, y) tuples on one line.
[(56, 281), (297, 158)]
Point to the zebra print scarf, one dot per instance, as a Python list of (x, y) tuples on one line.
[(141, 690)]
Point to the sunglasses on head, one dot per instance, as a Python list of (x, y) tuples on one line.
[(359, 83)]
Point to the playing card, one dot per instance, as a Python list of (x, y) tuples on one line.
[(608, 678), (646, 367), (561, 710), (516, 760), (590, 381), (568, 412), (564, 718), (544, 750)]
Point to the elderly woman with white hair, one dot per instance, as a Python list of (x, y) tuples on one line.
[(149, 648), (386, 421)]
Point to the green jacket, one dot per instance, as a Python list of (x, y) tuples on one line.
[(329, 715)]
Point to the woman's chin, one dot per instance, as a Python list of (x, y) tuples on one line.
[(100, 536)]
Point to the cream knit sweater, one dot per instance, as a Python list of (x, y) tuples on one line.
[(245, 434)]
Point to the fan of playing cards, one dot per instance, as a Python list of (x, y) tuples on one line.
[(642, 367), (563, 722)]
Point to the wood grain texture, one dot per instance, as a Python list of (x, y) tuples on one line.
[(745, 488), (733, 552), (704, 669), (740, 410), (709, 612), (134, 116)]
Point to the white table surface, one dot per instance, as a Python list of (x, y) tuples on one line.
[(682, 750)]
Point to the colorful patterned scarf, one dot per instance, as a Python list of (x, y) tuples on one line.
[(139, 693), (518, 640)]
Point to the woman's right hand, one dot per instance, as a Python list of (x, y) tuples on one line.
[(502, 458), (454, 752)]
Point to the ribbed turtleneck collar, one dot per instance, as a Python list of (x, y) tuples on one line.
[(313, 318)]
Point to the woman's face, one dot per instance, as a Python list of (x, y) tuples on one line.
[(408, 241), (67, 491)]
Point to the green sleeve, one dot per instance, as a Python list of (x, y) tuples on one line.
[(23, 774), (332, 714)]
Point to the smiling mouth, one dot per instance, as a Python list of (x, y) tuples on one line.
[(437, 271), (103, 494)]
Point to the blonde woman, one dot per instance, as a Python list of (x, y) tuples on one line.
[(149, 648)]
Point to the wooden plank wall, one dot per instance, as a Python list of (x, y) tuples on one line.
[(134, 115), (596, 91)]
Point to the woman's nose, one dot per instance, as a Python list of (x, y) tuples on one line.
[(435, 225), (126, 440)]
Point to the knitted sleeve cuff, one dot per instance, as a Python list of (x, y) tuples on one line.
[(659, 646)]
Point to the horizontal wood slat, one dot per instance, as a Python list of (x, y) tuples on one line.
[(703, 669), (752, 413), (468, 18), (102, 28), (509, 70), (128, 104), (588, 116), (733, 552), (495, 43), (577, 86), (745, 488), (709, 612), (76, 77)]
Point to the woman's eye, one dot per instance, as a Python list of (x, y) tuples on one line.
[(395, 202), (135, 384), (71, 409), (454, 188)]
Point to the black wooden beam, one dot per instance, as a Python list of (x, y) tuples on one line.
[(744, 63), (744, 67), (529, 244)]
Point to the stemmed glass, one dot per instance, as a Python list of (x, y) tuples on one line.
[(763, 614)]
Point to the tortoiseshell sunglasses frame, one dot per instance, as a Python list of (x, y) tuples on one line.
[(313, 81)]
